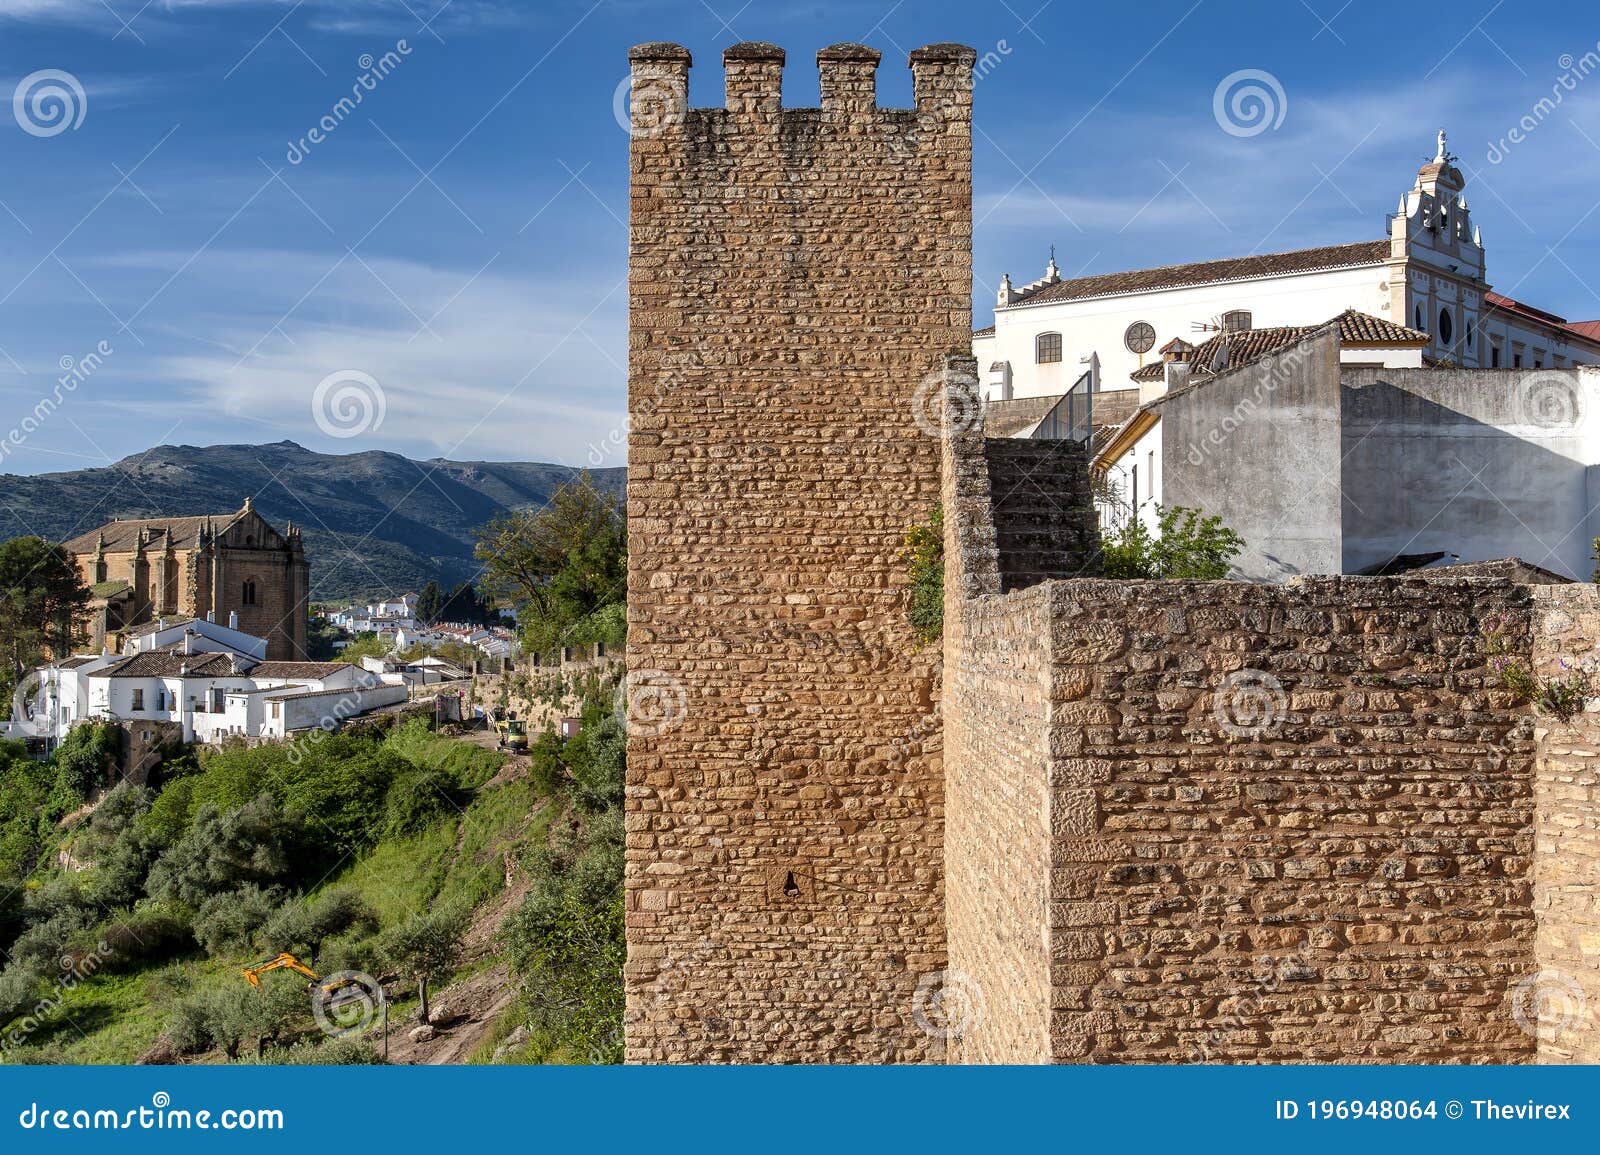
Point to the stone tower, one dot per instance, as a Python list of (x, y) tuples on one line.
[(795, 278)]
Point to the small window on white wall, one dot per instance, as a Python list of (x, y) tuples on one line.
[(1047, 348), (1236, 321)]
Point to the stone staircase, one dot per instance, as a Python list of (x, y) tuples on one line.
[(1044, 517)]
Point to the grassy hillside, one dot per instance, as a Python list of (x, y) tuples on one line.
[(374, 523), (347, 855)]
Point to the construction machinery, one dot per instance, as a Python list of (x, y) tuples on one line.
[(287, 961), (513, 732)]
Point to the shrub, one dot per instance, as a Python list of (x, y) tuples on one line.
[(258, 843), (19, 987), (306, 925), (230, 921), (84, 756), (1186, 545), (924, 562), (43, 945), (145, 934), (596, 759), (420, 798)]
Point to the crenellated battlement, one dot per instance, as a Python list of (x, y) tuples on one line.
[(795, 276), (753, 85)]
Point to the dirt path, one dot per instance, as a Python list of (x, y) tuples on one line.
[(465, 1013)]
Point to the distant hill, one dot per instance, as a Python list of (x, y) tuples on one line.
[(374, 523)]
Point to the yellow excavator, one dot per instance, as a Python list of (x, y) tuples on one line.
[(279, 962), (513, 732)]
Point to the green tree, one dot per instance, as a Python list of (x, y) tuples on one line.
[(42, 600), (305, 926), (259, 843), (557, 565), (426, 946), (430, 602), (1187, 544)]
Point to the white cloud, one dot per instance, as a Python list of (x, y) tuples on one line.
[(512, 368)]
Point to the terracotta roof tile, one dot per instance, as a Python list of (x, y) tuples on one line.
[(1230, 350), (298, 669), (168, 664), (1206, 272), (123, 534)]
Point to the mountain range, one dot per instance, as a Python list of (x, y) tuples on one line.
[(374, 523)]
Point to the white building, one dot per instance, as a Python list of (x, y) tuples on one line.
[(206, 682), (1130, 454), (1329, 463), (1428, 273)]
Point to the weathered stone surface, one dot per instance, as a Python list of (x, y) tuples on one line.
[(795, 278)]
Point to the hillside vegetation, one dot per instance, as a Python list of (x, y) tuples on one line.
[(426, 861)]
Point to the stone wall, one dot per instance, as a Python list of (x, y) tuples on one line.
[(1563, 998), (1288, 823), (795, 277)]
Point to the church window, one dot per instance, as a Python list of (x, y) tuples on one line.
[(1236, 321), (1047, 348), (1447, 328), (1494, 356), (1469, 332), (248, 594), (1420, 323)]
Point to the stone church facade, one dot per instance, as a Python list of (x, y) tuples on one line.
[(232, 568)]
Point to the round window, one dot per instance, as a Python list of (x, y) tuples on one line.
[(1446, 326), (1140, 337)]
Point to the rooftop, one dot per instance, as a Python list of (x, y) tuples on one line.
[(1207, 272), (1230, 350)]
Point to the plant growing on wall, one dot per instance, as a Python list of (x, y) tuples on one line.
[(1562, 697), (924, 562), (1186, 544)]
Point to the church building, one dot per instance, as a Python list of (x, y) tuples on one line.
[(1428, 274), (233, 569)]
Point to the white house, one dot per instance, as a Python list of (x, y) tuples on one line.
[(1326, 464), (1427, 273), (207, 694)]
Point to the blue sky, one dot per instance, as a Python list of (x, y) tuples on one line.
[(461, 237)]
